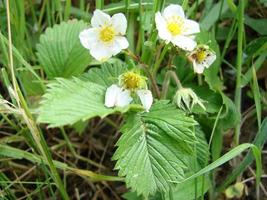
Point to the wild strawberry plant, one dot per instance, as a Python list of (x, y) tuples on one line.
[(163, 79)]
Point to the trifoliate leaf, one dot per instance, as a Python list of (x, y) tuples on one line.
[(68, 101), (154, 148), (60, 52)]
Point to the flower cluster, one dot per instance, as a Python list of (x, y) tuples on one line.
[(106, 38), (173, 27)]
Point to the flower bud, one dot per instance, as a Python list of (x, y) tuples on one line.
[(186, 98)]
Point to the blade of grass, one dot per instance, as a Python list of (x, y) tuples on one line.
[(230, 155), (238, 89), (259, 141), (15, 153), (257, 96)]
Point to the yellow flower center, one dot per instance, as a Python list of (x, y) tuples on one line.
[(174, 28), (201, 55), (132, 81), (175, 25), (107, 34)]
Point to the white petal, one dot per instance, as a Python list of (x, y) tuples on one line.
[(100, 18), (173, 10), (114, 48), (88, 37), (111, 95), (122, 41), (100, 51), (162, 27), (198, 68), (191, 27), (210, 59), (185, 43), (124, 98), (119, 22), (146, 98)]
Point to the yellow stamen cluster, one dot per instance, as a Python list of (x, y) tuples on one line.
[(201, 55), (175, 25), (132, 81), (107, 34)]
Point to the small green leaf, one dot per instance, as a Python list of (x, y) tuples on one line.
[(154, 148), (60, 52)]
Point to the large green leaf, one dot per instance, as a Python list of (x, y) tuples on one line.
[(69, 101), (60, 52), (154, 148)]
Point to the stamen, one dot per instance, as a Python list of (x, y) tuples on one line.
[(175, 25), (201, 55), (132, 81), (107, 34)]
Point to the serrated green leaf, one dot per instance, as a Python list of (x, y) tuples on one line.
[(60, 52), (154, 148), (68, 101)]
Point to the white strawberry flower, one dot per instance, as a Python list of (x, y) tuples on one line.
[(106, 36), (202, 57), (174, 27), (130, 83)]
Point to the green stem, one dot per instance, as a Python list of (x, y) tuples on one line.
[(238, 90), (176, 79)]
